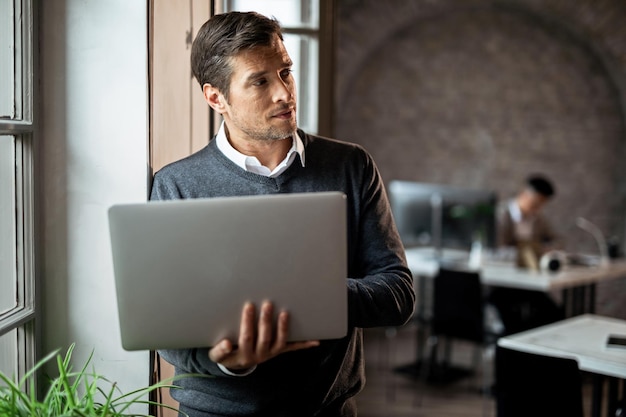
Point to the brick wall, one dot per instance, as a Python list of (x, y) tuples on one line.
[(479, 94)]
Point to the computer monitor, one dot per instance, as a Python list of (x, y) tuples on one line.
[(443, 216)]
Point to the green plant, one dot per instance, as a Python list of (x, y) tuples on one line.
[(71, 394)]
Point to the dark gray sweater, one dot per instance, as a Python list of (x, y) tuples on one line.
[(320, 381)]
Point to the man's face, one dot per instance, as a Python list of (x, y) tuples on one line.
[(531, 202), (262, 97)]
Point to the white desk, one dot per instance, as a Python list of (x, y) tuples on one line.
[(423, 263), (582, 338), (579, 280), (506, 275)]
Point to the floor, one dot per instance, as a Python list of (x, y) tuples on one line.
[(389, 393)]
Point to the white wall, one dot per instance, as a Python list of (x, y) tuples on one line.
[(94, 136)]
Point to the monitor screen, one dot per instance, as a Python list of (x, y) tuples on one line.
[(443, 216)]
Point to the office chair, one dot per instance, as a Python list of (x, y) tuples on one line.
[(457, 313), (536, 385)]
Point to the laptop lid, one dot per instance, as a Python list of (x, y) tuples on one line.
[(184, 268)]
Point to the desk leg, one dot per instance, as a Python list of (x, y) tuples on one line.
[(567, 302), (621, 405), (579, 300), (596, 396), (612, 396), (591, 308)]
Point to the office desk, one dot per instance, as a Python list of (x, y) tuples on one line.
[(582, 338), (581, 280), (507, 275), (577, 284), (423, 262)]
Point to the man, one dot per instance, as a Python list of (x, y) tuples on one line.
[(520, 220), (241, 63), (523, 228)]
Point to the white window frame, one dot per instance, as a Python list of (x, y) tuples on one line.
[(21, 126)]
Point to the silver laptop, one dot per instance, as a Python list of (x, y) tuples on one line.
[(184, 268)]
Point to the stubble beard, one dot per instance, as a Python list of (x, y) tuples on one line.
[(270, 133)]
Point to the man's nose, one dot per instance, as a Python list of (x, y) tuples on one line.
[(283, 91)]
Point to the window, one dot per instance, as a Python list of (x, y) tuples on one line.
[(300, 21), (17, 282)]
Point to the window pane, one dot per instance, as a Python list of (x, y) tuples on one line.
[(8, 255), (290, 13), (303, 50), (8, 353), (7, 59)]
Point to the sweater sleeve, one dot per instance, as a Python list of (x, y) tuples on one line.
[(380, 292), (195, 361)]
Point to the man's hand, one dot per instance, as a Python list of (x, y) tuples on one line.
[(258, 341)]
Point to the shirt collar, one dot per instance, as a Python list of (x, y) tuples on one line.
[(252, 164), (516, 213)]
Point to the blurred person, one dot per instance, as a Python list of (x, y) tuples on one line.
[(523, 229), (520, 220)]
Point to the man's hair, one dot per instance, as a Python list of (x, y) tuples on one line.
[(541, 185), (224, 36)]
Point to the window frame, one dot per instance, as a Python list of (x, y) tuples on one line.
[(21, 126)]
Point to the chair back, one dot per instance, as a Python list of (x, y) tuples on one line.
[(536, 385), (458, 307)]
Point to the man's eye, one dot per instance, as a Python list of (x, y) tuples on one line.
[(286, 73), (259, 82)]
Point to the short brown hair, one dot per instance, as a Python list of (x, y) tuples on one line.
[(222, 37), (541, 185)]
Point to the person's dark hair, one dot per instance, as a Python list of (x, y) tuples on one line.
[(541, 185), (222, 37)]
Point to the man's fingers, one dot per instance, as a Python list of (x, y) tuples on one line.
[(265, 334), (247, 330), (259, 340), (282, 330), (221, 351), (282, 345)]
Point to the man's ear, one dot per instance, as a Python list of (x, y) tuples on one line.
[(214, 98)]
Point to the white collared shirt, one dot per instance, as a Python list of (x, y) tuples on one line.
[(523, 226), (251, 163)]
